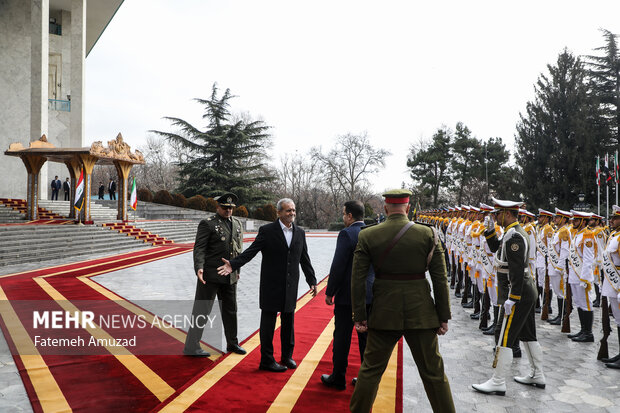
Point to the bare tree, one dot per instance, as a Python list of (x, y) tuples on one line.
[(348, 164), (159, 171)]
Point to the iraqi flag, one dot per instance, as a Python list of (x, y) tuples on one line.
[(79, 192), (133, 200)]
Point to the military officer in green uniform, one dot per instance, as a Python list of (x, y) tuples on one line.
[(220, 236), (518, 310), (400, 253)]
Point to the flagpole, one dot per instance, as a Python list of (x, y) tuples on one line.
[(607, 188), (598, 183)]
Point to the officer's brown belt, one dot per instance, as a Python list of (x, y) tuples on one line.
[(400, 276)]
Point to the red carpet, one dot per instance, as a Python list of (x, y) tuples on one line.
[(167, 383)]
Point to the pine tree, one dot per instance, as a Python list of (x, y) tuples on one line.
[(218, 156), (429, 165), (466, 160), (604, 75), (559, 136)]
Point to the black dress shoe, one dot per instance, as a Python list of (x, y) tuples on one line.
[(235, 348), (611, 359), (354, 381), (469, 304), (290, 363), (273, 366), (196, 353), (475, 316), (584, 338), (571, 336), (458, 295), (329, 381), (615, 365)]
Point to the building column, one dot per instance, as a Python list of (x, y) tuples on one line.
[(39, 70), (74, 166), (88, 162), (33, 165), (123, 169), (78, 70)]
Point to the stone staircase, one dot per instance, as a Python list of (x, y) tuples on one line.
[(178, 231), (10, 216), (138, 233), (20, 206), (99, 213), (32, 243)]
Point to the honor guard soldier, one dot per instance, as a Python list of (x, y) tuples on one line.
[(558, 254), (544, 234), (596, 226), (401, 252), (518, 310), (611, 278), (220, 236), (581, 275)]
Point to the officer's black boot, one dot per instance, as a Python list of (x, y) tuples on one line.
[(484, 313), (538, 306), (491, 330), (587, 336), (597, 301), (550, 309), (516, 350), (558, 320), (476, 314), (452, 276), (616, 359), (465, 302), (581, 324), (459, 282)]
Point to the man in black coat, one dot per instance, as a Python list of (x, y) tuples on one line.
[(66, 186), (112, 189), (101, 190), (283, 248), (338, 293)]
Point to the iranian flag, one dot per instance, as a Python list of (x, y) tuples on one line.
[(79, 192), (133, 200), (598, 172)]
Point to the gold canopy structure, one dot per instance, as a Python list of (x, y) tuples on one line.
[(117, 153)]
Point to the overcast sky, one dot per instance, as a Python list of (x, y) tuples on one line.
[(397, 70)]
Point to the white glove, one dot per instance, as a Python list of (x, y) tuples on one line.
[(488, 222), (583, 285), (508, 306), (618, 297)]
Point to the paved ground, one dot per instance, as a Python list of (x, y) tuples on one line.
[(575, 380)]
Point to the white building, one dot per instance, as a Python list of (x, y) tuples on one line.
[(43, 47)]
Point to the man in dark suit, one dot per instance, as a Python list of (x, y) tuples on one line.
[(283, 247), (56, 184), (112, 189), (218, 236), (338, 292), (66, 186), (101, 190)]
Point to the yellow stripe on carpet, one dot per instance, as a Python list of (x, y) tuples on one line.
[(297, 382), (147, 251), (386, 395), (148, 317), (45, 386), (141, 371), (192, 393)]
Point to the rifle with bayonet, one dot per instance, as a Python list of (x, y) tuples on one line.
[(568, 304), (603, 351), (547, 299)]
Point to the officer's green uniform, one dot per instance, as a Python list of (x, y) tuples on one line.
[(216, 238), (402, 305)]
